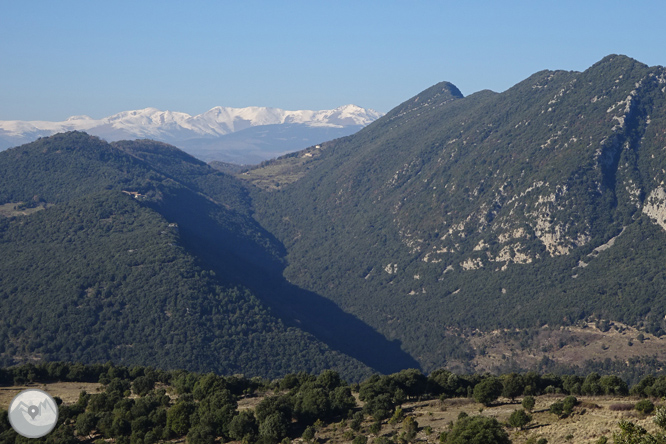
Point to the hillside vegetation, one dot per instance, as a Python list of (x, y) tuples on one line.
[(114, 267), (491, 233), (539, 207), (145, 405)]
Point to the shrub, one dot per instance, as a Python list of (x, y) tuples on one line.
[(660, 417), (519, 419), (556, 408), (357, 421), (645, 406), (273, 428), (621, 407), (409, 428), (244, 426), (397, 416), (589, 405), (631, 433), (568, 404), (488, 390), (477, 429), (360, 439), (528, 403), (308, 434)]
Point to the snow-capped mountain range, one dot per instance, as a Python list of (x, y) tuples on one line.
[(259, 133)]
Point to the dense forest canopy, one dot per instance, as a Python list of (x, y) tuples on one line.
[(113, 265)]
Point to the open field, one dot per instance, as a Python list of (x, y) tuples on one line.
[(67, 391), (564, 345), (17, 209), (591, 419), (275, 174)]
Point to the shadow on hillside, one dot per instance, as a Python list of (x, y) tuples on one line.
[(338, 329), (211, 234)]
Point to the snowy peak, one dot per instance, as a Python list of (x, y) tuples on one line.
[(174, 126), (76, 118), (241, 135), (350, 115)]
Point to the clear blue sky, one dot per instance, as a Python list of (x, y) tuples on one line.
[(94, 57)]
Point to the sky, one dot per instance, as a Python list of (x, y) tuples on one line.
[(97, 57)]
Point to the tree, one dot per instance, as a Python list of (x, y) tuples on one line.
[(519, 419), (568, 404), (217, 419), (412, 381), (380, 406), (556, 408), (311, 403), (645, 406), (591, 386), (140, 426), (273, 428), (375, 427), (244, 426), (357, 421), (207, 385), (142, 385), (308, 434), (644, 386), (273, 404), (513, 386), (178, 417), (201, 435), (409, 428), (342, 400), (613, 385), (330, 380), (488, 390), (476, 430), (85, 423), (528, 403)]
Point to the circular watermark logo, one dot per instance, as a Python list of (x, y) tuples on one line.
[(33, 413)]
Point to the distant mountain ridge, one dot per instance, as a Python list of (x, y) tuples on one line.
[(203, 135)]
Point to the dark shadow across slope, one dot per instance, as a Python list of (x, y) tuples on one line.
[(239, 261)]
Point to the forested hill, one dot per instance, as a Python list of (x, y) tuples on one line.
[(494, 232), (539, 206), (103, 259)]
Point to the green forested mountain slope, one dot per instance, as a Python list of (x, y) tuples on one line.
[(108, 272), (448, 219), (540, 205), (252, 256)]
